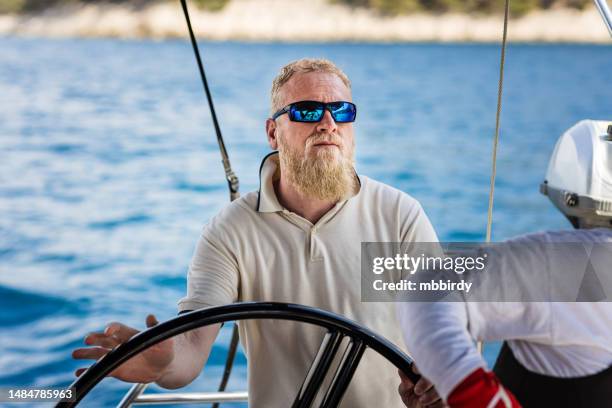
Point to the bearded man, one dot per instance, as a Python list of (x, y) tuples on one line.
[(297, 239)]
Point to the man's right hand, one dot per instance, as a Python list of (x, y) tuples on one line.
[(419, 395), (148, 366)]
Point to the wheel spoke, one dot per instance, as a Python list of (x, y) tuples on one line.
[(344, 373), (318, 370)]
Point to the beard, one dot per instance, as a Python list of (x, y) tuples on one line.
[(322, 173)]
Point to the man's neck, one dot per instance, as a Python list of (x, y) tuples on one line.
[(306, 207)]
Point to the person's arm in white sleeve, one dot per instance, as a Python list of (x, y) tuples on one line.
[(416, 230), (436, 335), (441, 341)]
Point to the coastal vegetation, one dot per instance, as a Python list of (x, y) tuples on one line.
[(385, 7), (30, 6), (517, 7)]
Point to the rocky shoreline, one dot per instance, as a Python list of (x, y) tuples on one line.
[(316, 21)]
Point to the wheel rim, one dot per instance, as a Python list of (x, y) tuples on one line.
[(338, 328)]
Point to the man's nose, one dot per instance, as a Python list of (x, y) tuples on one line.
[(327, 123)]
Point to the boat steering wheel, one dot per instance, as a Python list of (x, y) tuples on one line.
[(338, 328)]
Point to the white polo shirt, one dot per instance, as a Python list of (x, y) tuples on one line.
[(256, 250)]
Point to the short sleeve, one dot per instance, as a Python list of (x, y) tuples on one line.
[(213, 275), (415, 225), (417, 235)]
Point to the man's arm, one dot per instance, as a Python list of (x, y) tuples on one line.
[(191, 351), (212, 280), (172, 363)]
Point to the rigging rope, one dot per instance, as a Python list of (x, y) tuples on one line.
[(480, 344), (497, 117)]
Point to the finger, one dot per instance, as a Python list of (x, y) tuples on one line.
[(404, 378), (437, 404), (403, 393), (409, 398), (407, 386), (411, 401), (403, 375), (415, 369), (401, 390), (79, 371), (151, 321), (422, 386), (102, 340), (429, 397), (91, 353), (120, 331)]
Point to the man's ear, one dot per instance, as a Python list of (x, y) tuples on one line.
[(271, 132)]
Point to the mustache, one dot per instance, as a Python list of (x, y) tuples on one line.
[(324, 138)]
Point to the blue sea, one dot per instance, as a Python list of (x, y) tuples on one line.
[(109, 166)]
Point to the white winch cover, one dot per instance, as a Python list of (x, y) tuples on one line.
[(582, 161)]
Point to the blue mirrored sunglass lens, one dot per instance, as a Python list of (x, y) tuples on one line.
[(306, 112), (342, 111)]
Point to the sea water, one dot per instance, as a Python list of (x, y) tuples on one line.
[(109, 166)]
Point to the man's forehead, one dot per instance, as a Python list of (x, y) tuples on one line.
[(317, 86)]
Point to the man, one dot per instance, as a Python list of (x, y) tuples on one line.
[(297, 239), (557, 353)]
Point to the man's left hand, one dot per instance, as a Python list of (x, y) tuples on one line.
[(420, 395)]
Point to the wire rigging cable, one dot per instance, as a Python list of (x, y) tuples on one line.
[(232, 182), (232, 179)]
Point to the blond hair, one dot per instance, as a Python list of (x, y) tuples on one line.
[(303, 66)]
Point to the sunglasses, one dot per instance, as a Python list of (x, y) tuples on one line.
[(313, 111)]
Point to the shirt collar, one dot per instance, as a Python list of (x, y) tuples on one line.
[(269, 171)]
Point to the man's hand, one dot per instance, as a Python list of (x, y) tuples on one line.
[(148, 366), (419, 395)]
